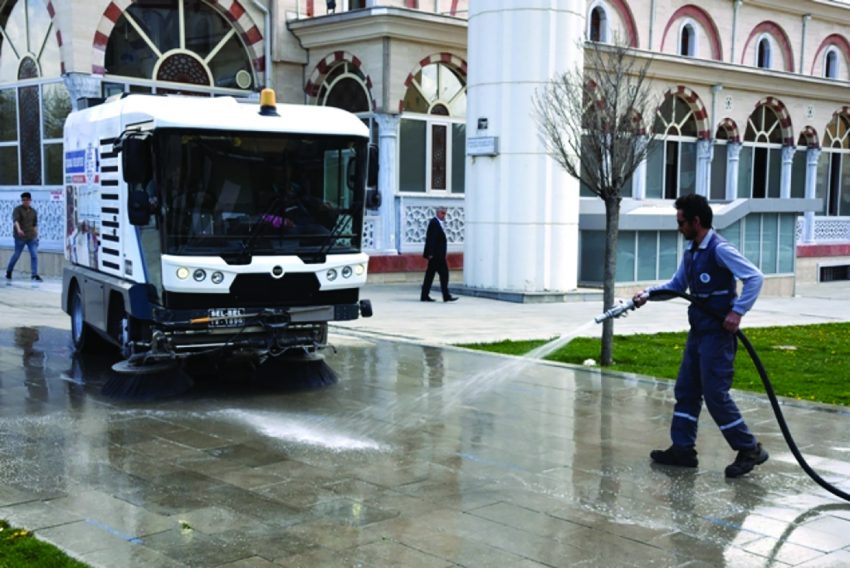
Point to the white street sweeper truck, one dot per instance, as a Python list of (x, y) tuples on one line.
[(209, 225)]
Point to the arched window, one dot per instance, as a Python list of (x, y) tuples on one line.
[(598, 30), (186, 42), (835, 169), (830, 64), (672, 158), (687, 41), (763, 53), (760, 163), (33, 100), (345, 87), (433, 131)]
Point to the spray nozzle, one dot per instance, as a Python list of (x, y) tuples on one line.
[(616, 311)]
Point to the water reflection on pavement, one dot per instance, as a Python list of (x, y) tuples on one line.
[(417, 456)]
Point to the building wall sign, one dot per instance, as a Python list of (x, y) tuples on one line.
[(482, 146)]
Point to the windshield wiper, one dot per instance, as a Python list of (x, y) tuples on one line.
[(249, 244), (331, 238)]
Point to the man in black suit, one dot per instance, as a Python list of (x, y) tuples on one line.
[(435, 252)]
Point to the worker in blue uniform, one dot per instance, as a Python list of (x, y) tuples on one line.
[(709, 269)]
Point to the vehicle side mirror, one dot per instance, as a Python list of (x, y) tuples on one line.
[(138, 207), (136, 162)]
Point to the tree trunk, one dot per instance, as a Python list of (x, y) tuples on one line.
[(612, 229)]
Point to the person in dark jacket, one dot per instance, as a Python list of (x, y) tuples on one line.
[(435, 251), (25, 232), (709, 268)]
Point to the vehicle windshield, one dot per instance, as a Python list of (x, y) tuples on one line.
[(260, 194)]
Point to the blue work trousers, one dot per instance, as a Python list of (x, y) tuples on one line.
[(32, 245), (706, 374)]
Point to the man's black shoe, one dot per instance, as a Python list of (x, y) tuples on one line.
[(675, 455), (426, 299), (746, 461), (37, 278), (450, 299), (8, 275)]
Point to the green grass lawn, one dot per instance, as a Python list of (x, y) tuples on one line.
[(20, 549), (810, 362)]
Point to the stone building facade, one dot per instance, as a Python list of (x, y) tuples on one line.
[(752, 110)]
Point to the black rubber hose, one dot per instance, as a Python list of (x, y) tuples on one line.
[(777, 410)]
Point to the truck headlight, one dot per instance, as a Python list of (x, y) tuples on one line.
[(182, 273), (359, 269), (331, 275), (217, 277), (199, 274), (346, 272)]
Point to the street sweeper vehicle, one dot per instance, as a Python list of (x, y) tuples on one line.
[(210, 226)]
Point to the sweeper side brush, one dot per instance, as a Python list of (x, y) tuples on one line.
[(620, 309)]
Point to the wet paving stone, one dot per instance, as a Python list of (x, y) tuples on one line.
[(417, 456)]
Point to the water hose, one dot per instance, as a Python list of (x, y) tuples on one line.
[(621, 308)]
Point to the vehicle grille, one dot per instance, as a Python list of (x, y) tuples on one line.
[(261, 290)]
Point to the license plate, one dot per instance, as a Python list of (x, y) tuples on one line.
[(227, 317)]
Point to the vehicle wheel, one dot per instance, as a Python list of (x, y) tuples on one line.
[(81, 334)]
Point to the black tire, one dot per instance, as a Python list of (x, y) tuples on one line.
[(81, 333)]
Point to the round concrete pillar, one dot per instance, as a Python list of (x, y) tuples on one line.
[(521, 207)]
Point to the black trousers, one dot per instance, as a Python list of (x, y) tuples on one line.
[(441, 267)]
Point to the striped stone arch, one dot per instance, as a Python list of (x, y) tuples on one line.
[(449, 59), (325, 66), (728, 126), (784, 118), (232, 10), (52, 12), (700, 113), (809, 137)]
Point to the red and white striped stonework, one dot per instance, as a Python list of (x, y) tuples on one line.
[(695, 104), (51, 10), (235, 13), (784, 118), (732, 132), (449, 59), (323, 67), (810, 136)]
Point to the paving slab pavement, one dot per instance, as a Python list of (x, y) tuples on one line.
[(421, 455)]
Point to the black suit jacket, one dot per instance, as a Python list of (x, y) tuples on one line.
[(435, 241)]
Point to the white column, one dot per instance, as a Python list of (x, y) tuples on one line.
[(785, 176), (521, 207), (733, 155), (812, 155), (639, 181), (385, 242), (703, 174)]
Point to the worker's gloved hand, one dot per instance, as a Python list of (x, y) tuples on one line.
[(640, 298)]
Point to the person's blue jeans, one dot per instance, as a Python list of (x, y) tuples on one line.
[(32, 245)]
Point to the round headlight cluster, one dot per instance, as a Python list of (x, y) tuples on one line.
[(345, 271), (199, 275)]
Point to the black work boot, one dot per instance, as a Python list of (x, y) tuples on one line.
[(675, 455), (746, 461)]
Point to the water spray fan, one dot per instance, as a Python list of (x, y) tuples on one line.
[(623, 307)]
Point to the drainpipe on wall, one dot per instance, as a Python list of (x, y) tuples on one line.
[(712, 135), (651, 23), (737, 7), (267, 42), (806, 18)]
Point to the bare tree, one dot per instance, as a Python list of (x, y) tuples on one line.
[(591, 120)]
